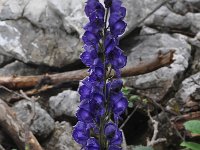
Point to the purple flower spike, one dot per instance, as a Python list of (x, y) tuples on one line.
[(99, 97)]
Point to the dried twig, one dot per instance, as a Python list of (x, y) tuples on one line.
[(168, 119), (153, 140), (129, 116)]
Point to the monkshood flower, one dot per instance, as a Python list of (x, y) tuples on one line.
[(101, 99)]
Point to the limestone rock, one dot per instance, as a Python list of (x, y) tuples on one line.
[(188, 87), (4, 60), (61, 138), (12, 9), (1, 147), (187, 98), (138, 9), (165, 20), (184, 6), (64, 104), (23, 41), (156, 84), (194, 18), (19, 68), (42, 124)]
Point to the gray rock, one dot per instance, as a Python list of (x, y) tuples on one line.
[(138, 9), (12, 9), (194, 18), (1, 147), (42, 124), (196, 95), (61, 138), (195, 43), (42, 15), (179, 7), (164, 18), (156, 84), (188, 87), (19, 68), (72, 14), (4, 60), (65, 103), (187, 98), (23, 41), (184, 6)]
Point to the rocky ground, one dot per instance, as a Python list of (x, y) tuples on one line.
[(39, 37)]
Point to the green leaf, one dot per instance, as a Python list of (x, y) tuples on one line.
[(193, 126), (126, 90), (134, 98), (130, 104), (191, 145), (142, 148), (145, 101)]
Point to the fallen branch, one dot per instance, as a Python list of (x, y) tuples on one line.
[(21, 82), (166, 116), (154, 139), (16, 129)]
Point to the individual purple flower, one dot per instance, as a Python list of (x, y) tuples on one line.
[(119, 107), (84, 112), (113, 135), (97, 108), (110, 129), (110, 42), (118, 28), (115, 85), (93, 6), (92, 144), (117, 60), (80, 133), (117, 15), (89, 55), (116, 5), (90, 38)]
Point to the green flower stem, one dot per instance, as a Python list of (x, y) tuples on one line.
[(102, 139)]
